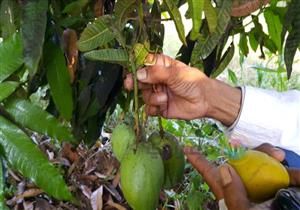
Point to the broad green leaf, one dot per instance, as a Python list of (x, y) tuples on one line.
[(33, 27), (28, 115), (140, 54), (95, 35), (122, 9), (2, 186), (75, 7), (23, 155), (274, 27), (211, 15), (202, 48), (118, 56), (253, 39), (7, 88), (226, 58), (176, 17), (11, 57), (196, 8), (7, 18), (59, 80)]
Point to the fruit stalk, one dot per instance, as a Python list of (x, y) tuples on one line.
[(136, 98)]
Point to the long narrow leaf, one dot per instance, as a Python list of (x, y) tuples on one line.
[(226, 58), (176, 16), (196, 8), (7, 88), (28, 115), (118, 56), (33, 27), (95, 35), (211, 16), (7, 18), (59, 80), (11, 57), (205, 48), (24, 156)]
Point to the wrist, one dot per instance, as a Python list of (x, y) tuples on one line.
[(224, 102)]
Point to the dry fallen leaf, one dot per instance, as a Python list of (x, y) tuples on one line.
[(96, 199)]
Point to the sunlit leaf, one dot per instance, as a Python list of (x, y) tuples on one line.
[(196, 8), (11, 57), (28, 115), (33, 27), (140, 54), (23, 155), (274, 27), (204, 48), (176, 16), (211, 15), (59, 80), (95, 35), (7, 18), (118, 56), (7, 88)]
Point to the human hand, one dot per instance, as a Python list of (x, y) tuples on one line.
[(173, 89), (226, 184)]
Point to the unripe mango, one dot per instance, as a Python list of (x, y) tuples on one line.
[(261, 174), (172, 156), (142, 174), (122, 139)]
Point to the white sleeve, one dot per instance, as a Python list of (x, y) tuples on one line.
[(268, 116)]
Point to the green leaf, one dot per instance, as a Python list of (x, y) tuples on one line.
[(196, 8), (140, 54), (2, 186), (226, 58), (211, 16), (28, 115), (253, 39), (75, 7), (204, 48), (243, 44), (23, 155), (59, 80), (176, 17), (232, 77), (33, 27), (118, 56), (11, 56), (7, 18), (274, 27), (7, 88), (95, 35), (122, 9)]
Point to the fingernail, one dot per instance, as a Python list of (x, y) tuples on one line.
[(187, 149), (225, 175), (162, 98), (150, 60), (142, 74)]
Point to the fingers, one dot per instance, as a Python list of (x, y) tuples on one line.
[(206, 169), (294, 176), (154, 74), (272, 151), (235, 194)]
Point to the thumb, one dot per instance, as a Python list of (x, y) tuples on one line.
[(154, 74), (235, 194)]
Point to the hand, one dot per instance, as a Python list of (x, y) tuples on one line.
[(226, 184), (174, 90)]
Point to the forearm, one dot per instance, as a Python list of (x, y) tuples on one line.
[(224, 102)]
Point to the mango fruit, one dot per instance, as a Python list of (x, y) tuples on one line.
[(142, 173), (172, 155), (122, 139), (261, 174)]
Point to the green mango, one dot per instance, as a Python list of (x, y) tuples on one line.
[(142, 173), (122, 139), (172, 156)]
